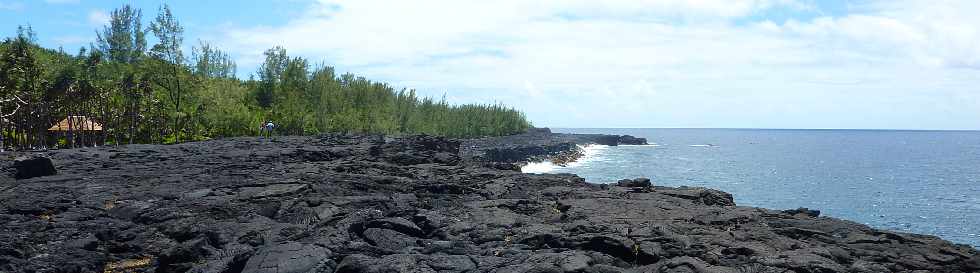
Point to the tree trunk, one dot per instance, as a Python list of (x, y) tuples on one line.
[(177, 105), (105, 120), (2, 128), (132, 120), (70, 137)]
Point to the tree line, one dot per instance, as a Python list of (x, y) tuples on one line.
[(136, 93)]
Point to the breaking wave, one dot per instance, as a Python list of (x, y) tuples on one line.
[(590, 153)]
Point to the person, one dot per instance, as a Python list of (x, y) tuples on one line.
[(266, 129)]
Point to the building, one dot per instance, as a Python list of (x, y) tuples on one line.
[(75, 130)]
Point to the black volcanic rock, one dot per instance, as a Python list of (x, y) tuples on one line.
[(31, 167), (631, 140), (609, 140), (523, 153), (638, 182), (538, 144), (614, 140), (290, 257), (338, 203), (420, 149), (704, 196), (803, 211)]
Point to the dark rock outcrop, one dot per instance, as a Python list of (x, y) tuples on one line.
[(420, 149), (526, 153), (613, 140), (631, 140), (539, 144), (705, 196), (290, 257), (30, 167), (803, 211), (637, 182), (339, 203)]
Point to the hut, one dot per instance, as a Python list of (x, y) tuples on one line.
[(80, 129)]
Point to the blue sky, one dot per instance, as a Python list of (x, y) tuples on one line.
[(879, 64), (72, 23)]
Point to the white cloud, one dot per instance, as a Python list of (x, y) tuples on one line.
[(98, 17), (655, 63), (930, 33), (11, 6)]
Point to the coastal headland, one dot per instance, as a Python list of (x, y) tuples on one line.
[(370, 203)]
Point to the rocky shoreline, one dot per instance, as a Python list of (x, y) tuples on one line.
[(538, 145), (339, 203)]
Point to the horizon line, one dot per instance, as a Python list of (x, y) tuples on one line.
[(784, 129)]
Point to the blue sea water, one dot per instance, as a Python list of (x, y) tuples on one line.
[(924, 182)]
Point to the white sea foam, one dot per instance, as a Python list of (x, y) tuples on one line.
[(539, 167), (589, 153), (651, 145)]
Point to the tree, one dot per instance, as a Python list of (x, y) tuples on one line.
[(171, 35), (210, 62), (63, 94), (110, 83), (134, 88), (4, 115), (124, 39), (291, 106), (22, 84), (270, 74)]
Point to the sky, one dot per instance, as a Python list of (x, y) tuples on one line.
[(868, 64)]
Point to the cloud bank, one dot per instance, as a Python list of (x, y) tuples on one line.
[(98, 18), (667, 63)]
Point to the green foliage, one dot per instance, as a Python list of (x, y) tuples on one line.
[(210, 62), (170, 34), (124, 39), (23, 84), (141, 95), (270, 74)]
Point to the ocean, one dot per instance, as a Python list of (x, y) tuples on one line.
[(924, 182)]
